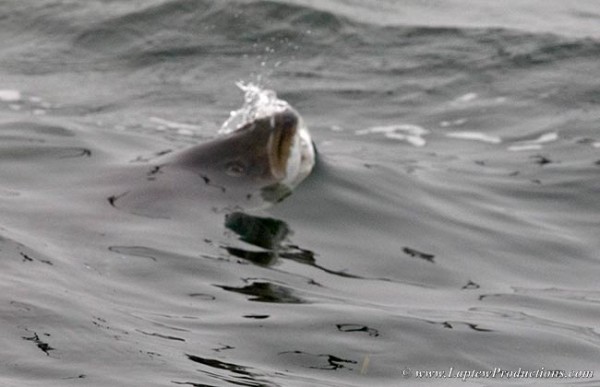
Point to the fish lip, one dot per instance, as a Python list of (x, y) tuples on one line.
[(284, 127)]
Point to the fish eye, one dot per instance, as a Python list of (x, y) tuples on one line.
[(235, 168)]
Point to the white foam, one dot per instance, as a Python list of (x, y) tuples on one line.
[(596, 144), (458, 122), (411, 129), (416, 141), (534, 144), (476, 136), (467, 97), (10, 95), (477, 100), (524, 147), (182, 128), (547, 137), (413, 134)]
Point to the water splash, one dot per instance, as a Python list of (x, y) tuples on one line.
[(258, 103)]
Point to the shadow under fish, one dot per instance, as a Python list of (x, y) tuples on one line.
[(271, 237)]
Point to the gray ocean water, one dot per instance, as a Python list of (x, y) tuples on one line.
[(451, 223)]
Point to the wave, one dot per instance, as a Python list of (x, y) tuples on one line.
[(188, 27), (58, 37)]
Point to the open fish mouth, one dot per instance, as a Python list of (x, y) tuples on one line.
[(282, 142)]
